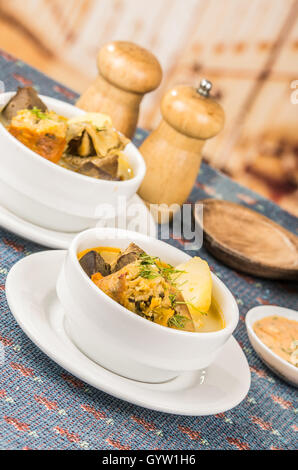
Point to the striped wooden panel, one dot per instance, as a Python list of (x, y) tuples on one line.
[(249, 50)]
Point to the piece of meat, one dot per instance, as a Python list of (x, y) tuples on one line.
[(102, 168), (87, 137), (25, 98), (86, 148), (81, 145), (92, 262), (131, 254)]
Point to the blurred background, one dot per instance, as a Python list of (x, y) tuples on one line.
[(248, 49)]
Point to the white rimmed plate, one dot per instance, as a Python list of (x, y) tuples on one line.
[(62, 240), (279, 366), (35, 306)]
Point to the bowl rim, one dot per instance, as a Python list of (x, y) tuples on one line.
[(72, 250), (55, 167), (268, 312)]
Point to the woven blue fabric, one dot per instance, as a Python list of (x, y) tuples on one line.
[(44, 407)]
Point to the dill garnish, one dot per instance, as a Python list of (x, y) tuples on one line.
[(190, 304), (152, 267), (38, 113), (148, 273), (148, 267), (172, 298), (146, 259), (169, 271), (177, 321), (175, 302)]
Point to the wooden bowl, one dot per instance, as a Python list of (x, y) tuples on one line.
[(248, 241)]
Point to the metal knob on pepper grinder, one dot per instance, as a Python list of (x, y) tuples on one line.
[(172, 152), (126, 72)]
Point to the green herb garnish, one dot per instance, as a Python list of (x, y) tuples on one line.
[(38, 113), (190, 304), (146, 259), (152, 267), (172, 298), (169, 271), (148, 273), (148, 267), (177, 321)]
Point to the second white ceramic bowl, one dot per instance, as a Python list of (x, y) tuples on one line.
[(50, 196), (122, 341), (282, 368)]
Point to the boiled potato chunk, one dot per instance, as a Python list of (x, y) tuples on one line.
[(195, 285)]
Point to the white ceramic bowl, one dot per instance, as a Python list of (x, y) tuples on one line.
[(50, 196), (122, 341), (278, 365)]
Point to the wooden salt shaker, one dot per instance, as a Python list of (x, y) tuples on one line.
[(126, 73), (173, 151)]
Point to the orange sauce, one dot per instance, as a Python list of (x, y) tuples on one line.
[(280, 335)]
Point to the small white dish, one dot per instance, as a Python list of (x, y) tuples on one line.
[(279, 366), (48, 195), (35, 306), (62, 240), (122, 341)]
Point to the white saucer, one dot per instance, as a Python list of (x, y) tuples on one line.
[(62, 240), (35, 306)]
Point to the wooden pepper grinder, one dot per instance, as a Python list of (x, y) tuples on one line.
[(126, 73), (173, 151)]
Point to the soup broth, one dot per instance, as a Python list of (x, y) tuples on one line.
[(213, 320), (279, 334)]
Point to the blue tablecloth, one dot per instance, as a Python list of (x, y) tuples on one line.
[(44, 407)]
